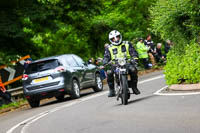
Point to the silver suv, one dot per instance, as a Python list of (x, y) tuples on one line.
[(57, 76)]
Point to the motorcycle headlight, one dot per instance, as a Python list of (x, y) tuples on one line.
[(121, 62)]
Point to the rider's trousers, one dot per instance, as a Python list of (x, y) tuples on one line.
[(132, 72)]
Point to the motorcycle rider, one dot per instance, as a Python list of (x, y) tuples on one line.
[(120, 49)]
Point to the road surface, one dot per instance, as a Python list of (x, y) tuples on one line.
[(96, 113)]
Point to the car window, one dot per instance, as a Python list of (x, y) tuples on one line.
[(42, 66), (79, 60), (63, 62), (71, 61)]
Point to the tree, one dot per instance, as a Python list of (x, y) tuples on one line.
[(50, 27)]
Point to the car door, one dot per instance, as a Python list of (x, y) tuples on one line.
[(77, 70), (88, 73)]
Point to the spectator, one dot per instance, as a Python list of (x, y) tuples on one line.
[(106, 46), (91, 61), (168, 45), (142, 52), (102, 72), (27, 62), (4, 93), (149, 43), (158, 55)]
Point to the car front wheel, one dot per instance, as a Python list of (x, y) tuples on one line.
[(98, 83), (75, 91)]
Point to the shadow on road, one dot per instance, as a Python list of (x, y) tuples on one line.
[(138, 100), (141, 99), (67, 98)]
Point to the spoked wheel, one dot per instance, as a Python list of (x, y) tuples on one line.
[(124, 85), (75, 92)]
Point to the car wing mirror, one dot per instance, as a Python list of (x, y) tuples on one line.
[(85, 64)]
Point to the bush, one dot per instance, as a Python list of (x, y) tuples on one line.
[(183, 67)]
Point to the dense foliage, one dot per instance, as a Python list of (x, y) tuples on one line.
[(50, 27), (43, 28), (184, 68), (178, 20)]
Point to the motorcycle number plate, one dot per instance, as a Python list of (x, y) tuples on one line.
[(123, 70)]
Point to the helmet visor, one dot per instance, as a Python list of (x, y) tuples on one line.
[(115, 39)]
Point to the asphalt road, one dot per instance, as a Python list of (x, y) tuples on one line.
[(96, 113)]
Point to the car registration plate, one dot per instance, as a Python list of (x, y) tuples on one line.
[(41, 79)]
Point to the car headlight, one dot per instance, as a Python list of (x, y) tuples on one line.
[(122, 62)]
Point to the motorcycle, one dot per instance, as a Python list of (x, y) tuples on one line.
[(121, 67)]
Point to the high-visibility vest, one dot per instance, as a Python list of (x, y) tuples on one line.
[(120, 51), (142, 50)]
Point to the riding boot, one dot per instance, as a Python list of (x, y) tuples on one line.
[(111, 90), (111, 93), (136, 91), (134, 87)]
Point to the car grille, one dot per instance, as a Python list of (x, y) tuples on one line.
[(42, 86)]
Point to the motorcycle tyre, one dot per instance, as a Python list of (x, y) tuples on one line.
[(124, 95)]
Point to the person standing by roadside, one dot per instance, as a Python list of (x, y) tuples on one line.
[(106, 46), (102, 72), (27, 62), (150, 44), (142, 52), (4, 93), (167, 46), (158, 55), (91, 61)]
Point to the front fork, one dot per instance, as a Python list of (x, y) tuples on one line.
[(118, 87)]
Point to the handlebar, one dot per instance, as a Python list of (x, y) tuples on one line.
[(115, 60)]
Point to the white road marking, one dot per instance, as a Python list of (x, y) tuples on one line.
[(158, 91), (24, 129), (158, 77), (30, 120), (23, 122), (174, 94)]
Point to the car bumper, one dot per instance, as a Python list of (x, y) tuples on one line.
[(47, 92)]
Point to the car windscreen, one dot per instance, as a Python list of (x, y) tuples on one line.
[(42, 66)]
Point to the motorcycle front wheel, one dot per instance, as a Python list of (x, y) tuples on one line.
[(124, 85)]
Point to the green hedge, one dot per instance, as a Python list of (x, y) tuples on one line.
[(183, 67)]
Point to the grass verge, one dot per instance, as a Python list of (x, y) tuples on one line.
[(12, 106)]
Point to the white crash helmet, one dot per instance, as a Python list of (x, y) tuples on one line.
[(115, 34)]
